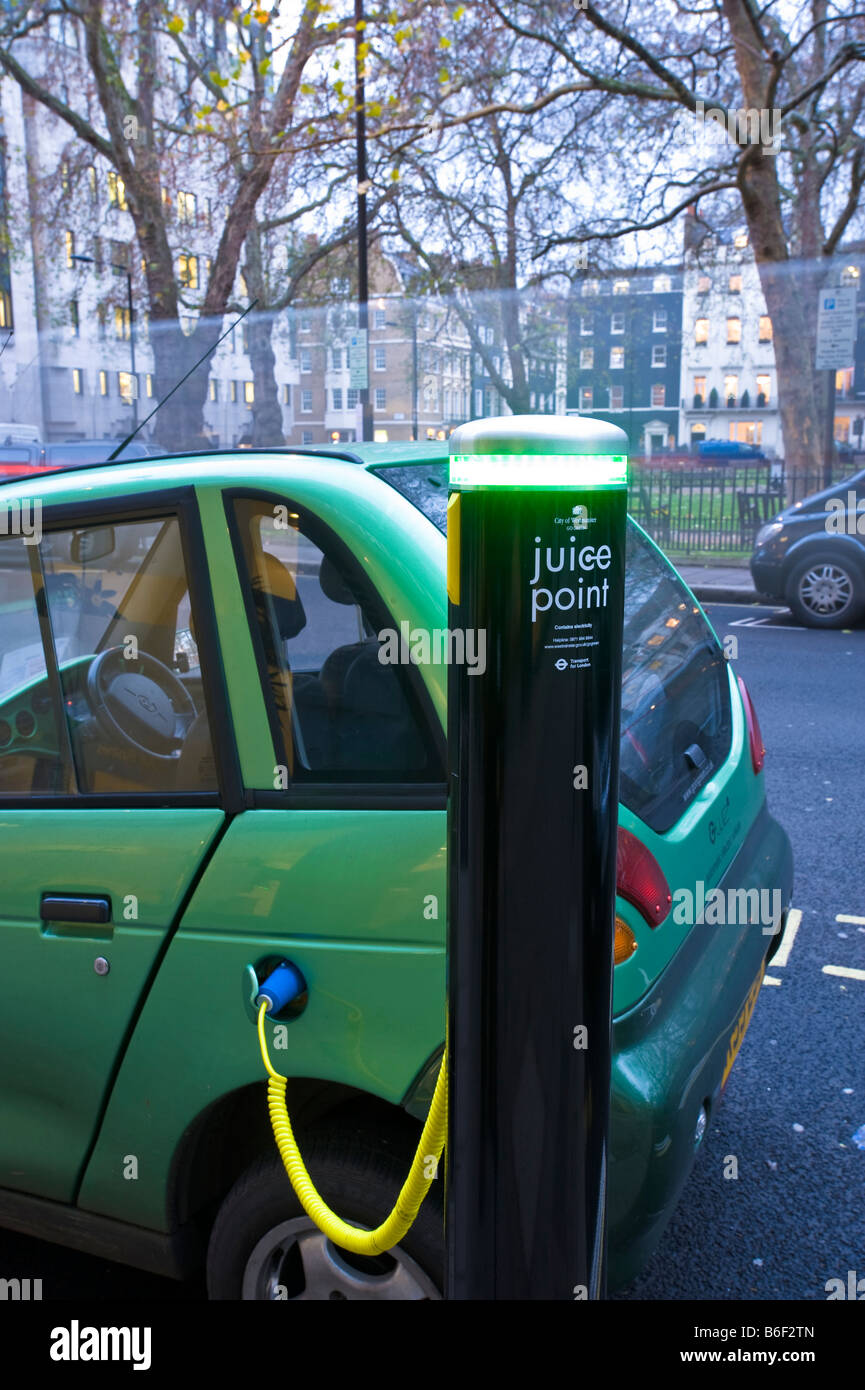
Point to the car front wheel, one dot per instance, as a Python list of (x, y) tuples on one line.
[(824, 591), (264, 1247)]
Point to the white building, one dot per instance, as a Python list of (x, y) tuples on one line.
[(728, 378)]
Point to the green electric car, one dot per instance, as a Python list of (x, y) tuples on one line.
[(205, 769)]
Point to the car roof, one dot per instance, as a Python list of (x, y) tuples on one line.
[(370, 456)]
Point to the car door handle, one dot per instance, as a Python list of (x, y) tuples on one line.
[(75, 907)]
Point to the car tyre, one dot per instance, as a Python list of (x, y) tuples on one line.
[(826, 590), (263, 1246)]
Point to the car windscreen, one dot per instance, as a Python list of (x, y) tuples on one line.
[(676, 719)]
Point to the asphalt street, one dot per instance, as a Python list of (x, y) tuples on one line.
[(794, 1217)]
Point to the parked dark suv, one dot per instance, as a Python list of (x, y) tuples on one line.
[(812, 556)]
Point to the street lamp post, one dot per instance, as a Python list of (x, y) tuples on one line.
[(124, 270), (362, 181)]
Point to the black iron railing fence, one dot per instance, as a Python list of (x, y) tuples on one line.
[(717, 508)]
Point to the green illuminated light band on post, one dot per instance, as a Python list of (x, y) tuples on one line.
[(539, 470)]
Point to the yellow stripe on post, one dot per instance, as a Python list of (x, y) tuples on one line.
[(453, 524)]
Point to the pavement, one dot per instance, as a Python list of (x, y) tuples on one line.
[(718, 583)]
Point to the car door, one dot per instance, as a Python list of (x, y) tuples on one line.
[(339, 862), (112, 796)]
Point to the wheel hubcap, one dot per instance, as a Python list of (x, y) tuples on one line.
[(825, 589), (295, 1260)]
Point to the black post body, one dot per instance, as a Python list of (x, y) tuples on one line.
[(532, 871), (362, 262)]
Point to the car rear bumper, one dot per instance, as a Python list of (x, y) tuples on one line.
[(670, 1054)]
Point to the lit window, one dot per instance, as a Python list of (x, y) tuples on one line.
[(741, 240), (731, 389), (699, 390), (589, 287), (116, 191), (704, 284), (763, 388), (91, 179), (121, 321), (586, 324), (74, 320), (844, 381), (249, 392), (617, 323), (103, 383), (735, 284), (286, 394), (734, 330), (380, 397), (658, 395), (213, 388), (659, 355), (701, 331), (617, 397), (617, 357), (380, 359), (587, 358), (585, 398), (305, 360), (127, 385), (186, 208), (232, 390), (662, 284), (187, 272), (621, 286), (148, 384), (850, 275), (70, 247), (765, 329), (306, 402), (77, 381), (659, 321), (380, 436)]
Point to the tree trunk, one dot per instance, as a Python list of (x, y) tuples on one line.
[(266, 410)]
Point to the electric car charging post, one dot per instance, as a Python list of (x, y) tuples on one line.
[(536, 561)]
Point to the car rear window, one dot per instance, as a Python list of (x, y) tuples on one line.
[(676, 719)]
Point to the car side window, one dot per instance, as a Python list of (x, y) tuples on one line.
[(341, 714), (112, 671), (676, 720)]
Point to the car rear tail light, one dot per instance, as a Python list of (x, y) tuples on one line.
[(755, 738), (624, 943), (639, 879)]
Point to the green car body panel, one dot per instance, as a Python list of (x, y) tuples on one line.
[(101, 1069)]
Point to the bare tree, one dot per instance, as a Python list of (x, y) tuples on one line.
[(728, 61)]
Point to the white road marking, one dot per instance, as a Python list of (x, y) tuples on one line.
[(848, 917), (768, 623), (782, 955), (844, 971), (770, 980)]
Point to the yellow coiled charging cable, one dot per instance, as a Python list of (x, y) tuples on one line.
[(415, 1188)]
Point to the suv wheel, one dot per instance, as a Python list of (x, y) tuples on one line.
[(264, 1247), (825, 591)]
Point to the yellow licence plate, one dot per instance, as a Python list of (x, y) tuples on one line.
[(737, 1037)]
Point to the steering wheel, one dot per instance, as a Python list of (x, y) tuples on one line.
[(139, 702)]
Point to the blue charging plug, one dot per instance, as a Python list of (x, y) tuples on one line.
[(281, 986)]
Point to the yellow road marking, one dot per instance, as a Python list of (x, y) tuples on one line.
[(782, 955)]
